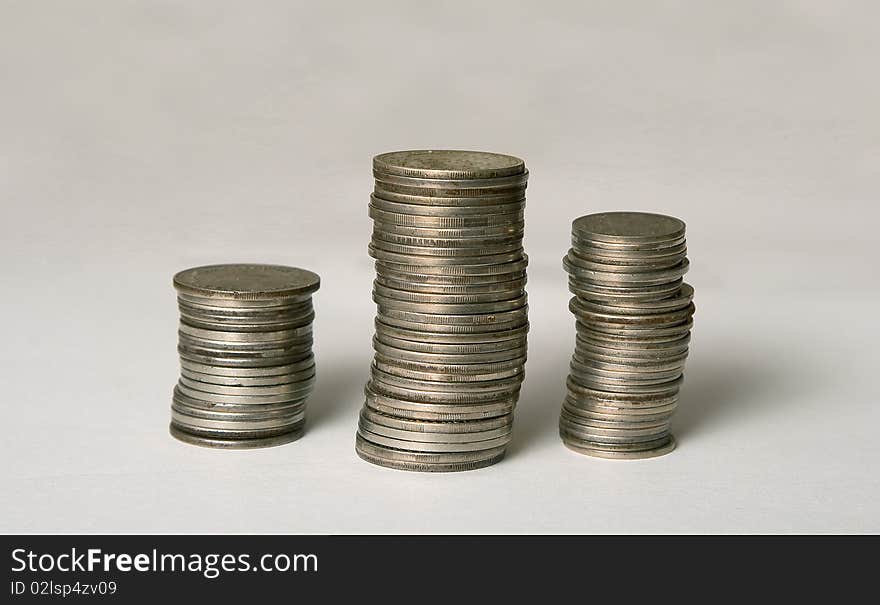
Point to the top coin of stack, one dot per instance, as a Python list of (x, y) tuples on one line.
[(245, 345), (450, 342), (634, 316)]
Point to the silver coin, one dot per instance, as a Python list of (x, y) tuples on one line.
[(517, 311), (436, 210), (513, 195), (383, 188), (269, 308), (587, 251), (448, 298), (628, 227), (600, 330), (249, 381), (511, 346), (215, 405), (246, 281), (220, 443), (417, 436), (619, 399), (220, 336), (514, 180), (448, 375), (394, 305), (302, 389), (493, 388), (448, 164), (444, 330), (445, 222), (448, 358), (439, 412), (678, 301), (418, 332), (429, 252), (623, 370), (182, 419), (423, 447), (449, 372), (607, 295), (589, 262), (453, 244), (244, 305), (442, 262), (479, 426), (507, 230), (590, 277), (307, 361), (601, 355), (592, 317), (294, 388), (276, 413), (414, 287), (425, 467), (464, 283)]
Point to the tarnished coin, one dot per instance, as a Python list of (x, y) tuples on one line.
[(448, 164), (246, 281), (626, 227)]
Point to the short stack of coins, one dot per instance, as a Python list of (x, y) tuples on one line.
[(245, 345), (451, 323), (634, 316)]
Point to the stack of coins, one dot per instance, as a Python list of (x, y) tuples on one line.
[(634, 316), (245, 345), (450, 342)]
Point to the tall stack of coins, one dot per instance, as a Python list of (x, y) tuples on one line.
[(245, 345), (634, 316), (450, 341)]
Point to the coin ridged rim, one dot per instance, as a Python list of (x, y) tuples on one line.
[(431, 252), (455, 243), (445, 222)]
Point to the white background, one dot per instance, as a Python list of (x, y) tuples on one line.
[(140, 138)]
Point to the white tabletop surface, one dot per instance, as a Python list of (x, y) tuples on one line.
[(140, 138)]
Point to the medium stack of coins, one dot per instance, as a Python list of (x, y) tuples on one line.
[(634, 316), (450, 342), (245, 345)]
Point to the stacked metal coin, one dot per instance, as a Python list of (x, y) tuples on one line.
[(245, 345), (634, 316), (450, 342)]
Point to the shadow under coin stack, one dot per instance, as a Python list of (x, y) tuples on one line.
[(245, 345), (634, 316), (450, 342)]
